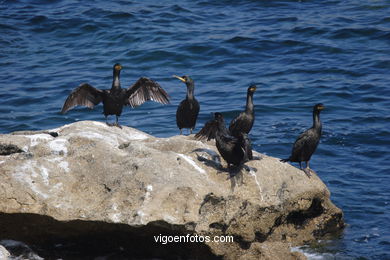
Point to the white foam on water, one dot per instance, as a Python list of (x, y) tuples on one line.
[(314, 255), (27, 251)]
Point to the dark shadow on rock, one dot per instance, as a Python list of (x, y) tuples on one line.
[(236, 175), (53, 134), (209, 158), (257, 158), (77, 239)]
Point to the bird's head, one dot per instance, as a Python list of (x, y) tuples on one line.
[(218, 116), (252, 89), (186, 79), (117, 67), (318, 107)]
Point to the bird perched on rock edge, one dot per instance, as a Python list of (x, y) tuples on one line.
[(114, 99), (307, 142)]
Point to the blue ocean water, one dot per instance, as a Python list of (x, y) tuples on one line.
[(297, 52)]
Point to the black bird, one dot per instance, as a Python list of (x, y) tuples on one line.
[(234, 150), (244, 121), (307, 142), (240, 126), (115, 98), (188, 109)]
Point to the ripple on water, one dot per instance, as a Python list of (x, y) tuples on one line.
[(298, 52)]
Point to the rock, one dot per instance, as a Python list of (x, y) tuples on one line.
[(4, 254), (93, 181)]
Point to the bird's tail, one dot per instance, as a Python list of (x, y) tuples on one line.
[(285, 160)]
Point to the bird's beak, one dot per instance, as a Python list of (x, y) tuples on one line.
[(118, 67), (253, 88), (321, 107), (180, 78)]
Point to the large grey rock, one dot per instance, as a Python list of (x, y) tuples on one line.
[(4, 254), (92, 172)]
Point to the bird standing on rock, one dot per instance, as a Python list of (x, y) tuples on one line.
[(244, 121), (115, 98), (307, 142), (234, 150), (188, 109)]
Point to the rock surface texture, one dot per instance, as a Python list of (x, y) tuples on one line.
[(90, 184)]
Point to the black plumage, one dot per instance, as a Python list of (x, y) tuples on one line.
[(188, 109), (243, 123), (234, 150), (115, 98), (307, 142), (239, 127)]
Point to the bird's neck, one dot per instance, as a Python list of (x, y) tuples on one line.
[(249, 103), (190, 91), (116, 84), (316, 121)]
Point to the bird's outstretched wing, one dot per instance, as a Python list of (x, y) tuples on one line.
[(143, 90), (83, 95), (208, 131)]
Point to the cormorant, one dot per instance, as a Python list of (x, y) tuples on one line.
[(239, 127), (115, 98), (234, 150), (307, 142), (244, 121), (188, 109)]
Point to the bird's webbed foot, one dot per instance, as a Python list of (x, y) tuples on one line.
[(307, 171), (114, 124)]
